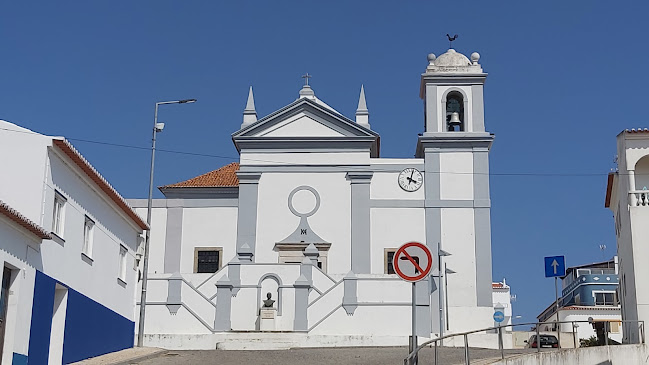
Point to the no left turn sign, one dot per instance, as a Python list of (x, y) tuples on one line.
[(412, 261)]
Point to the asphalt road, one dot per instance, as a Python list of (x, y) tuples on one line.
[(338, 356)]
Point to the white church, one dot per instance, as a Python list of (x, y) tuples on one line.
[(313, 215)]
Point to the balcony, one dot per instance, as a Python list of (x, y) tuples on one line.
[(639, 198)]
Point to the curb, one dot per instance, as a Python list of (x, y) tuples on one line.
[(142, 358)]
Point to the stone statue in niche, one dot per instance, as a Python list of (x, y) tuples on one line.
[(268, 303)]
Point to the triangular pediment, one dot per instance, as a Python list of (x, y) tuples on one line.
[(305, 118)]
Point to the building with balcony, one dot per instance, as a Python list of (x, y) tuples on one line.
[(587, 292), (68, 244), (627, 196)]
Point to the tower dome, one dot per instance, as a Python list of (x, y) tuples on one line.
[(452, 59)]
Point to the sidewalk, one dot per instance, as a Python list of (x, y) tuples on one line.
[(124, 357)]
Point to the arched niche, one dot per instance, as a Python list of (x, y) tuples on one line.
[(270, 283)]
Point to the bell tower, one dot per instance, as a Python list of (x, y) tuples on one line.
[(451, 89), (455, 148)]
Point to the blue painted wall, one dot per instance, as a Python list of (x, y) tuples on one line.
[(43, 305), (90, 328), (19, 359)]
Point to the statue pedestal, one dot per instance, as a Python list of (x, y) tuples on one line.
[(267, 319)]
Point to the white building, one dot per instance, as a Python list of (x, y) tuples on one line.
[(627, 195), (68, 288), (502, 302), (313, 215)]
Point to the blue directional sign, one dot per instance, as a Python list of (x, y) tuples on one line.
[(555, 266), (499, 316)]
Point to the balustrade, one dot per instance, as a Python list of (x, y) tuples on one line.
[(638, 198)]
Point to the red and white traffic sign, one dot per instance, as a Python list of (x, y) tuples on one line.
[(412, 261)]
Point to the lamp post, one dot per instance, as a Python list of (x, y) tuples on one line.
[(157, 127), (447, 272), (440, 253)]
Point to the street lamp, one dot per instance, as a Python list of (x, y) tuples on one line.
[(440, 253), (157, 127), (447, 272)]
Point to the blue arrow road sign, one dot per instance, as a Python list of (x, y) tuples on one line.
[(499, 316), (555, 266)]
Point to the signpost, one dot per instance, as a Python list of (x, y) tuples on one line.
[(555, 266), (413, 262)]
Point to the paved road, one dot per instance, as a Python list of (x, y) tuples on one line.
[(338, 356)]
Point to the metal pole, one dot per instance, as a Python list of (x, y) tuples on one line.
[(642, 331), (538, 338), (574, 335), (466, 349), (500, 343), (606, 333), (413, 338), (436, 357), (440, 303), (556, 304), (145, 266), (446, 296)]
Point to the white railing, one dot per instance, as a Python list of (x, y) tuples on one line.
[(639, 198)]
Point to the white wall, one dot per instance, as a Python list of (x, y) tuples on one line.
[(97, 279), (19, 250), (208, 227), (392, 228), (20, 187), (331, 222), (456, 178)]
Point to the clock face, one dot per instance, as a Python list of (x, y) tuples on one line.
[(410, 179)]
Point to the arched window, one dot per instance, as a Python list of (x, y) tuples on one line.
[(454, 104)]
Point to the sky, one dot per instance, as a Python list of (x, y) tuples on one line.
[(565, 77)]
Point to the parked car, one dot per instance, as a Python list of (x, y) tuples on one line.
[(546, 341)]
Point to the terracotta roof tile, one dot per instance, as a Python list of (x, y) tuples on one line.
[(226, 176), (15, 216), (497, 285)]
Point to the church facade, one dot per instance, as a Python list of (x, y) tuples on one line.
[(313, 215)]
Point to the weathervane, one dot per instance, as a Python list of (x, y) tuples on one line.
[(306, 78), (451, 39)]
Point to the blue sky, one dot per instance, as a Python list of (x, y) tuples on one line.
[(564, 79)]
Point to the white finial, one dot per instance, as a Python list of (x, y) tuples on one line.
[(249, 113), (362, 114), (475, 57), (431, 59)]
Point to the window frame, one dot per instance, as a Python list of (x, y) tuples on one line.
[(603, 293), (219, 265), (58, 214), (88, 237), (386, 263), (123, 252)]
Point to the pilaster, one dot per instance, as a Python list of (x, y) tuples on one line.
[(173, 240), (360, 221), (247, 212), (222, 320), (302, 286)]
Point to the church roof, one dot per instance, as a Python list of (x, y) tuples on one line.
[(225, 176)]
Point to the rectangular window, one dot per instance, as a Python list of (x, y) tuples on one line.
[(122, 263), (388, 257), (88, 232), (605, 298), (207, 259), (58, 214)]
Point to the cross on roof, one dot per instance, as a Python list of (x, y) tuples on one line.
[(306, 78)]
